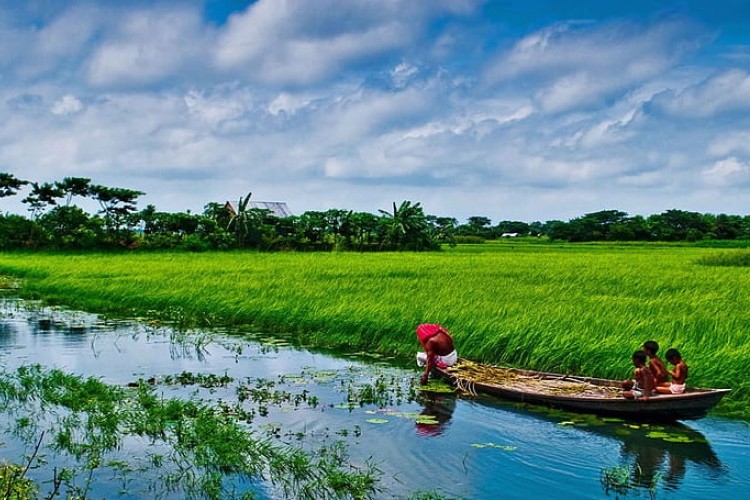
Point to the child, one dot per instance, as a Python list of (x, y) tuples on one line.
[(679, 374), (650, 347), (642, 385)]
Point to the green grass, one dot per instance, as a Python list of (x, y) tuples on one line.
[(558, 307)]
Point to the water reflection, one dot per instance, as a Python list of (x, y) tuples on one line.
[(661, 453), (654, 454), (437, 412)]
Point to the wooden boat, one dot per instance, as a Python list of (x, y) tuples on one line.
[(579, 394)]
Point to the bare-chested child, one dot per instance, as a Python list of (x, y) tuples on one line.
[(651, 347), (679, 374), (642, 385)]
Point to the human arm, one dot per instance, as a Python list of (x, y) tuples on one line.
[(430, 364), (679, 374)]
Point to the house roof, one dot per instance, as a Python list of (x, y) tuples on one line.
[(277, 208)]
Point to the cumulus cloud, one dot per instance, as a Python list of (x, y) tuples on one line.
[(296, 42), (725, 92), (577, 65)]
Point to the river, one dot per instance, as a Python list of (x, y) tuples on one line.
[(437, 444)]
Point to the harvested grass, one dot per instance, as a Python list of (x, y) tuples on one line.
[(469, 373)]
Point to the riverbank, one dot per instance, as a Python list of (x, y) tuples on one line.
[(567, 308)]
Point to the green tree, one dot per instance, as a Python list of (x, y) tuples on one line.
[(678, 225), (406, 228), (42, 196), (17, 232), (247, 223), (73, 186), (9, 184), (118, 205), (443, 229), (361, 229), (71, 227)]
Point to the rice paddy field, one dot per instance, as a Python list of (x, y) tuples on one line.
[(580, 309)]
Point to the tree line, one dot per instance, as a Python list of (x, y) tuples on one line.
[(56, 221)]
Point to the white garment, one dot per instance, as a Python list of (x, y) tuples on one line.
[(447, 360)]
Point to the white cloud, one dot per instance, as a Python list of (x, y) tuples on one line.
[(403, 73), (297, 42), (728, 171), (288, 103), (578, 64), (732, 142), (726, 92), (220, 106), (359, 105), (67, 105), (149, 46)]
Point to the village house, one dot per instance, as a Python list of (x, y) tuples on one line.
[(276, 208)]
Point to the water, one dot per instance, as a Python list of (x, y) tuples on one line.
[(469, 448)]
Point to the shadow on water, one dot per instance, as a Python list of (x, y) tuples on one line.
[(436, 413)]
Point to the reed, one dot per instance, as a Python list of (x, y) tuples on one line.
[(571, 308)]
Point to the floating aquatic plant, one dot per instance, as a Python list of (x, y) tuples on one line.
[(493, 445)]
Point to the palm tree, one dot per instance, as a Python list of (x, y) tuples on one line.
[(406, 228)]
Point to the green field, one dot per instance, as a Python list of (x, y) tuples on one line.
[(570, 308)]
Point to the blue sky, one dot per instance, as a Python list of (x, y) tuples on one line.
[(513, 110)]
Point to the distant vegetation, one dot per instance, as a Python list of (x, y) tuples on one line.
[(55, 221)]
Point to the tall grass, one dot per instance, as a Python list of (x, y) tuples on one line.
[(569, 308)]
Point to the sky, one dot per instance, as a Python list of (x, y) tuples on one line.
[(513, 110)]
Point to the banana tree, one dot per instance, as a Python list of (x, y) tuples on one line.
[(241, 220), (406, 228)]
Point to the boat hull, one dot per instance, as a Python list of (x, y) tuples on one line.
[(693, 404)]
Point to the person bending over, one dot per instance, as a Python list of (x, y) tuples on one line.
[(438, 349)]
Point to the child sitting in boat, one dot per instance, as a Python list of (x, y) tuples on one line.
[(655, 364), (438, 349), (679, 374), (642, 385)]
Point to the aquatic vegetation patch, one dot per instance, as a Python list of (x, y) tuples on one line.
[(622, 480), (675, 437), (198, 444), (204, 380), (438, 387), (494, 445)]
